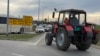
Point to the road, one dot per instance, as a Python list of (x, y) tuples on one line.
[(37, 47)]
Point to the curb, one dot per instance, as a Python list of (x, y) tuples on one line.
[(95, 46)]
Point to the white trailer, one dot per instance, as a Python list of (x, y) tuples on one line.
[(16, 25)]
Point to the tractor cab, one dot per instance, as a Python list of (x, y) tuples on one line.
[(75, 18)]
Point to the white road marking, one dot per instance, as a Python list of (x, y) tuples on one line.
[(16, 54), (38, 41)]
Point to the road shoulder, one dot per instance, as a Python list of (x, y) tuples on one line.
[(95, 46)]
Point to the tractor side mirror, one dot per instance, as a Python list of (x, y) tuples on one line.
[(53, 15)]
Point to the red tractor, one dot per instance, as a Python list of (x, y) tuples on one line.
[(72, 28)]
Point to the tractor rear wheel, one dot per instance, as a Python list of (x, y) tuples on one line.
[(95, 39), (84, 46), (48, 39), (62, 39)]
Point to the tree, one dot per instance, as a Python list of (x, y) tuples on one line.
[(45, 20)]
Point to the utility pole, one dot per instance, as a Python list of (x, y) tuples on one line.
[(38, 10), (7, 17), (42, 14)]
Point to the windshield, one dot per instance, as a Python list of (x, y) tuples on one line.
[(79, 18)]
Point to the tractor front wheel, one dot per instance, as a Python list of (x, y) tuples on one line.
[(48, 39)]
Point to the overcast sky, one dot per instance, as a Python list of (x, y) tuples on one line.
[(30, 7)]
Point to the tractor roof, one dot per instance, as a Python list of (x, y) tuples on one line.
[(73, 11)]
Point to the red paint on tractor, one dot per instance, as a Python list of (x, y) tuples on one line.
[(66, 21), (87, 29), (69, 28), (96, 31), (55, 28)]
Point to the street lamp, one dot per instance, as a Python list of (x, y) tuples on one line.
[(7, 16), (38, 9)]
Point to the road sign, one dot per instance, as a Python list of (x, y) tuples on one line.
[(10, 21)]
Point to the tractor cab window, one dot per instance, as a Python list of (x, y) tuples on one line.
[(61, 16), (77, 16), (77, 19), (66, 16), (82, 19), (74, 19)]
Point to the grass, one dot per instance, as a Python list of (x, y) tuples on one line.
[(99, 40), (33, 28), (98, 43), (98, 27), (18, 37)]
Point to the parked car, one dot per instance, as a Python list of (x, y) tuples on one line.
[(47, 29), (40, 29)]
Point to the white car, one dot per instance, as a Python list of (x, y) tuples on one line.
[(46, 29), (39, 29)]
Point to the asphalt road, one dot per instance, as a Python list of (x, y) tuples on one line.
[(37, 47)]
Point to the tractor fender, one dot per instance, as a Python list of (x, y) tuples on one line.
[(55, 28), (70, 30), (88, 31)]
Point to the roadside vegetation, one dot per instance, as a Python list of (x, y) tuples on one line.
[(98, 28), (98, 43), (18, 37), (33, 28)]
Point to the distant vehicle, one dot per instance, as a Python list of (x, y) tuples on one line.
[(39, 29), (50, 26), (47, 29), (16, 24)]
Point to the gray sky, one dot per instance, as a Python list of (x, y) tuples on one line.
[(30, 7)]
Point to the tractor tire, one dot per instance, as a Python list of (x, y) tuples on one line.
[(95, 39), (48, 39), (62, 39), (84, 46)]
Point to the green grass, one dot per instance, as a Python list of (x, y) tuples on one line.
[(18, 37), (98, 27), (33, 28), (98, 43)]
